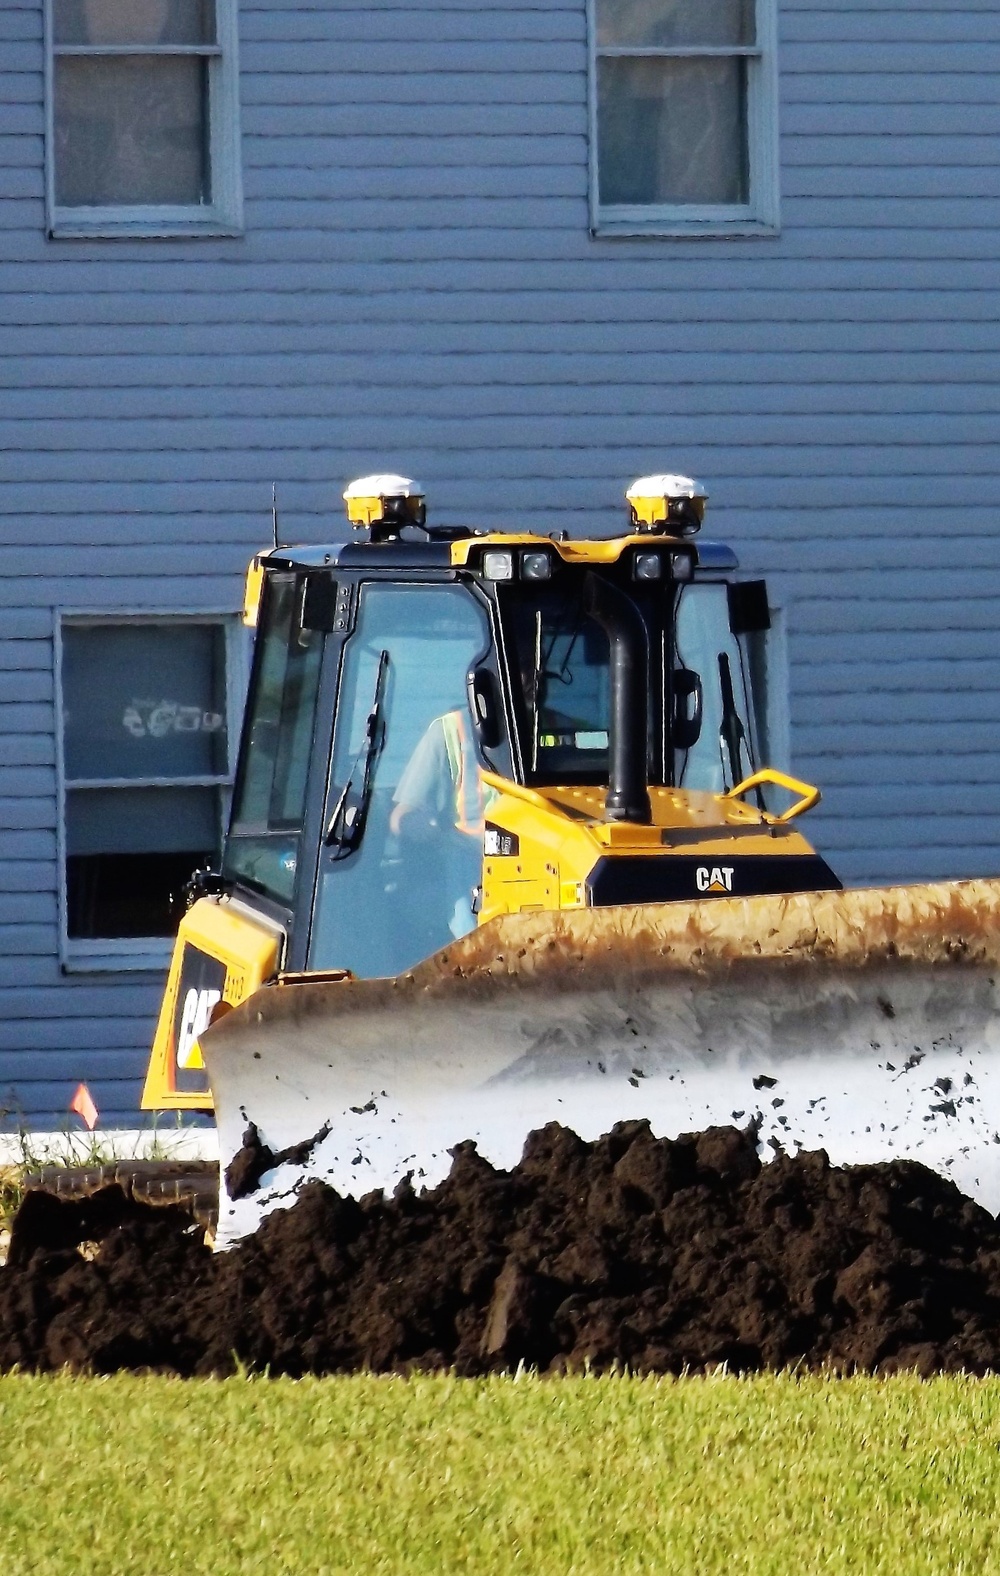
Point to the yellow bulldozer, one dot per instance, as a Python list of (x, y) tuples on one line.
[(505, 849)]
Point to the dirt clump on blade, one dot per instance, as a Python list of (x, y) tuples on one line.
[(654, 1254)]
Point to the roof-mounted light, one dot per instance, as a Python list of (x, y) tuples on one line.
[(652, 564), (383, 504), (537, 565), (671, 505), (647, 566), (682, 566), (505, 563), (498, 564)]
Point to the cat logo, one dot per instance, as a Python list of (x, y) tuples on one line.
[(194, 1020), (718, 878), (202, 982)]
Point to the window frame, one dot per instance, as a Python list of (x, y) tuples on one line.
[(760, 216), (224, 214), (111, 954)]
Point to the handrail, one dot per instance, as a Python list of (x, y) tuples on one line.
[(810, 796)]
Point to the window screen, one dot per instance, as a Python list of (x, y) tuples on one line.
[(672, 131), (672, 126)]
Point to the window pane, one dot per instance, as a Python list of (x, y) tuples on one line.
[(674, 23), (142, 820), (703, 636), (113, 896), (133, 21), (407, 889), (271, 792), (262, 848), (131, 129), (672, 131), (144, 701), (129, 853), (563, 658)]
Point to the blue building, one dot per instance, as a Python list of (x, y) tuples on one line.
[(523, 251)]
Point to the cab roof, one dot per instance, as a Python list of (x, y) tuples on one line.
[(452, 552)]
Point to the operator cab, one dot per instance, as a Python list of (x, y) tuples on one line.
[(393, 670)]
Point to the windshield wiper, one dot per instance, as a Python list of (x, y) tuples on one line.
[(347, 823), (732, 734)]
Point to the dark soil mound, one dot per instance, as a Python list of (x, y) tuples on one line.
[(633, 1250)]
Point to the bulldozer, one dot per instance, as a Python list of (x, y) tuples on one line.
[(505, 849)]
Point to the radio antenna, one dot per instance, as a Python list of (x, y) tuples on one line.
[(274, 514)]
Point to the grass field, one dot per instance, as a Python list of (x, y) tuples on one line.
[(604, 1476)]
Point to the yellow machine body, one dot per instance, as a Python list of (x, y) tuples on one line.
[(542, 845), (221, 956)]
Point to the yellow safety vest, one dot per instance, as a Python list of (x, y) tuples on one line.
[(469, 798)]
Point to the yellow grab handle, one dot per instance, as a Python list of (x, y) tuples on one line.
[(810, 795)]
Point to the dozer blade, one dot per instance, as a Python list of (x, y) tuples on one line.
[(862, 1022)]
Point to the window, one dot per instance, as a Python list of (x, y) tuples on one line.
[(142, 128), (683, 117), (404, 886), (270, 797), (563, 659), (724, 751), (145, 769)]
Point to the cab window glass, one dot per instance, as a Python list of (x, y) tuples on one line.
[(404, 834), (723, 753), (562, 659), (262, 848)]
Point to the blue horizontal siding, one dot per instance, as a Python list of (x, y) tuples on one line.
[(417, 287)]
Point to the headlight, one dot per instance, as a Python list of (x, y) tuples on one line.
[(536, 566), (681, 567), (498, 564), (647, 566)]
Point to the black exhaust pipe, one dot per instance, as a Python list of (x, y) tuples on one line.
[(618, 616)]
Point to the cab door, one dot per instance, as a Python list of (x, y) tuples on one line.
[(401, 854)]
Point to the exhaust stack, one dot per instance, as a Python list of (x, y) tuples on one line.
[(618, 616)]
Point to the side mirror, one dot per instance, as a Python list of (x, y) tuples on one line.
[(749, 613), (484, 705), (687, 709), (319, 603)]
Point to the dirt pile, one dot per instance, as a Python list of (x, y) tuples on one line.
[(633, 1250)]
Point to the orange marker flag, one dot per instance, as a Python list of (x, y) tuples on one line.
[(83, 1104)]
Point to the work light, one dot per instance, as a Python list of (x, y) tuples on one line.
[(536, 566), (498, 564), (647, 566)]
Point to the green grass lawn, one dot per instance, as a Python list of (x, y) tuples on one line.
[(603, 1476)]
